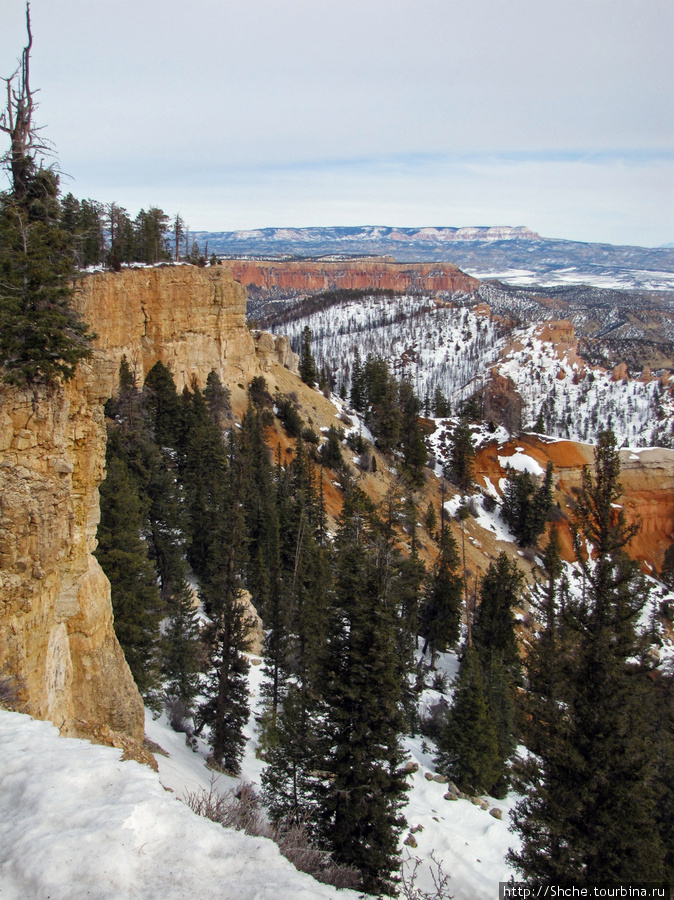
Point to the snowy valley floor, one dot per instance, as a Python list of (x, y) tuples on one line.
[(77, 822)]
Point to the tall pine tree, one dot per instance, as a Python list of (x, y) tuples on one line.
[(590, 811)]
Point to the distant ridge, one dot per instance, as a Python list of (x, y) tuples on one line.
[(514, 254)]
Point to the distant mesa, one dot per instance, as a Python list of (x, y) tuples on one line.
[(512, 254)]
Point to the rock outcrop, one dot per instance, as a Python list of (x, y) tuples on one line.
[(57, 640), (276, 278), (646, 476), (56, 628), (191, 319)]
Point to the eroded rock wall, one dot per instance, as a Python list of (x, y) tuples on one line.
[(293, 277), (56, 626), (191, 319)]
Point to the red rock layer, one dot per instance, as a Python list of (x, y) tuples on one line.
[(306, 277)]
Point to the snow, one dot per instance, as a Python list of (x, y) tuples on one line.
[(521, 463), (468, 842), (77, 822), (454, 347)]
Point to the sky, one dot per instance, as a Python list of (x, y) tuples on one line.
[(554, 114)]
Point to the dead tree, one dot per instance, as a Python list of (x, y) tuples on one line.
[(16, 120)]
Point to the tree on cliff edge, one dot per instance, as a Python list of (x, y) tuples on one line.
[(42, 338)]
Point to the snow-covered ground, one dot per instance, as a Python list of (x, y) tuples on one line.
[(434, 345), (454, 349), (77, 822), (578, 402)]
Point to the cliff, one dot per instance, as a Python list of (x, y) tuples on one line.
[(294, 277), (56, 632), (56, 625), (647, 478), (191, 319)]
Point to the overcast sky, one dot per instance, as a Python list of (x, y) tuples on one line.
[(555, 114)]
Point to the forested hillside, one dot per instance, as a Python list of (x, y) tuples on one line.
[(452, 350)]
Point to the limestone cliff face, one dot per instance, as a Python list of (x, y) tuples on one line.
[(56, 628), (188, 318), (56, 624), (289, 278)]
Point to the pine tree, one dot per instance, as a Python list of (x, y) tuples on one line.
[(590, 812), (412, 444), (360, 802), (225, 708), (441, 406), (460, 470), (123, 556), (42, 338), (307, 361), (547, 657), (181, 646), (161, 400), (468, 744), (496, 644), (357, 396), (289, 779), (441, 610), (494, 629), (430, 519)]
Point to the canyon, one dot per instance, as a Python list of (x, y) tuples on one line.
[(57, 641)]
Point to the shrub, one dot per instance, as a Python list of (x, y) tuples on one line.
[(10, 688), (242, 810), (288, 414), (488, 503)]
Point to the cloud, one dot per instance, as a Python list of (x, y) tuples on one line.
[(413, 109)]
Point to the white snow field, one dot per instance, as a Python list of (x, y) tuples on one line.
[(76, 822)]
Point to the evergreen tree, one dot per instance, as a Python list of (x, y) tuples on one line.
[(289, 779), (413, 447), (360, 802), (441, 611), (307, 361), (590, 811), (460, 470), (42, 338), (496, 644), (161, 400), (441, 405), (218, 398), (331, 451), (526, 506), (358, 395), (123, 556), (547, 657), (467, 743), (225, 708), (181, 645), (430, 519), (494, 628)]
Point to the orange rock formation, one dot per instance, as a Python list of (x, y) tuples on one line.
[(308, 277)]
